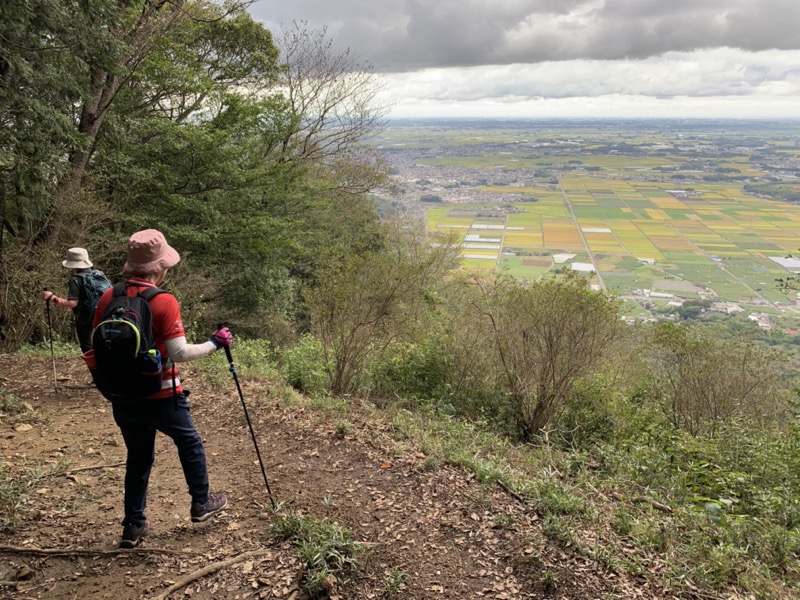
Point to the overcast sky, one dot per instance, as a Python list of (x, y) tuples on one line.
[(552, 58)]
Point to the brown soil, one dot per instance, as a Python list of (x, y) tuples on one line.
[(449, 536), (537, 262)]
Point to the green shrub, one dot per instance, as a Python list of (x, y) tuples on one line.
[(547, 336), (439, 371), (589, 416), (252, 358), (706, 379), (410, 370), (304, 365)]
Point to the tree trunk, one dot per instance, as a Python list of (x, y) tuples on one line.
[(93, 114), (151, 25), (2, 214)]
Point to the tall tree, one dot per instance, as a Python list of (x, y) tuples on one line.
[(45, 52), (178, 114), (334, 103)]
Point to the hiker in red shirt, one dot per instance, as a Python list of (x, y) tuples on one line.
[(149, 258)]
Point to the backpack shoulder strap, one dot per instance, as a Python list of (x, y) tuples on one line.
[(119, 289), (150, 293)]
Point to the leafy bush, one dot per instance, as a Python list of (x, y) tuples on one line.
[(445, 369), (304, 365), (589, 416), (9, 404), (362, 304), (253, 358), (706, 379), (409, 370), (547, 336)]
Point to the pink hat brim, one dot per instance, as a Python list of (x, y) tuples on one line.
[(149, 252), (167, 260)]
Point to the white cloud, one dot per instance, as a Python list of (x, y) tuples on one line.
[(698, 79), (703, 73)]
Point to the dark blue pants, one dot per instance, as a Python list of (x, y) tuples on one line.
[(84, 333), (138, 421)]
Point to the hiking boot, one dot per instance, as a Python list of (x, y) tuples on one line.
[(133, 534), (214, 504)]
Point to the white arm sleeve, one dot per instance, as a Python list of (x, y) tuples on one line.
[(179, 351)]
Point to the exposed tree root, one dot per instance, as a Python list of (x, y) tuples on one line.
[(653, 503), (84, 551), (512, 493), (644, 500), (92, 467), (208, 570)]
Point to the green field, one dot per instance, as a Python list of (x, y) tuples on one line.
[(710, 241)]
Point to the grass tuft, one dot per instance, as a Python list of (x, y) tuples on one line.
[(329, 554)]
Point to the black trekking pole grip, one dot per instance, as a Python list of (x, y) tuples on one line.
[(50, 335), (229, 356)]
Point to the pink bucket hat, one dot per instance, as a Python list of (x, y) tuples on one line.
[(149, 252)]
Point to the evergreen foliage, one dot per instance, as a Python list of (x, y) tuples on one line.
[(184, 116)]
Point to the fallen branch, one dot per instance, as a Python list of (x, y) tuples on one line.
[(92, 467), (653, 503), (208, 570), (644, 500), (8, 583), (512, 493), (85, 551)]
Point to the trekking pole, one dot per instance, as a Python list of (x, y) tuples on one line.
[(247, 418), (50, 335)]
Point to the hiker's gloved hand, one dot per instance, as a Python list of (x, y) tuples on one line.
[(221, 337)]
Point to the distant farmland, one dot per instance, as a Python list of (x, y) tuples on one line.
[(709, 240)]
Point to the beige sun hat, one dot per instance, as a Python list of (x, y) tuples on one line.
[(149, 252), (77, 258)]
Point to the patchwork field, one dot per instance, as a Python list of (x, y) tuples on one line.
[(710, 241)]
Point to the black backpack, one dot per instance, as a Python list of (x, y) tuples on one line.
[(94, 284), (127, 363)]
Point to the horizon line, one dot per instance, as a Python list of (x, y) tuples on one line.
[(587, 117)]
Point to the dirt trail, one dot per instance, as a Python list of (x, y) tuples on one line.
[(448, 536)]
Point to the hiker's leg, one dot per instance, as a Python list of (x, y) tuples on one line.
[(176, 422), (140, 441), (84, 333)]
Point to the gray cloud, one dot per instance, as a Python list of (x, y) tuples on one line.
[(402, 36)]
